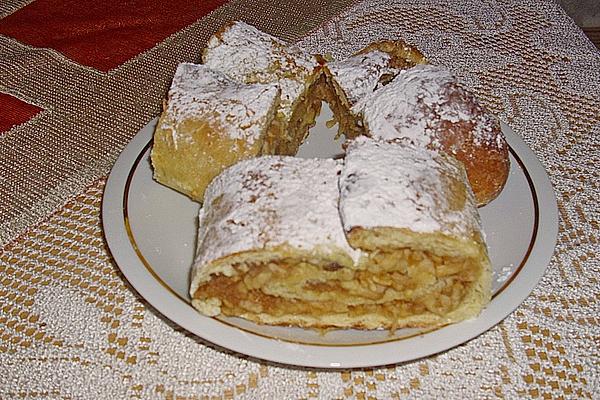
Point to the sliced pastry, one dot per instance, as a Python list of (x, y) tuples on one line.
[(248, 55), (426, 105), (209, 122), (412, 213), (351, 79), (271, 247)]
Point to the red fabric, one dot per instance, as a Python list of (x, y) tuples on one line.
[(102, 34), (14, 112)]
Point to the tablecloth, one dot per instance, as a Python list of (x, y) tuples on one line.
[(78, 79)]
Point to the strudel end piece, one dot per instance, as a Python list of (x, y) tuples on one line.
[(412, 212), (426, 105), (209, 122)]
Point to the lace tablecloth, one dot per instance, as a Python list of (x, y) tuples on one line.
[(79, 79)]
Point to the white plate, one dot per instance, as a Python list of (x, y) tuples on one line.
[(151, 232)]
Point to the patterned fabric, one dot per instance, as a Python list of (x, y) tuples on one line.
[(72, 327), (15, 112)]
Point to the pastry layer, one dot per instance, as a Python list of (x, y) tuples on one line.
[(209, 122)]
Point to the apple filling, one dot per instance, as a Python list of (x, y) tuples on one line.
[(304, 116), (349, 124), (396, 285)]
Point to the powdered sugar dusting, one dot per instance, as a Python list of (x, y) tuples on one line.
[(271, 201), (403, 186), (423, 104), (197, 92), (248, 55), (360, 74)]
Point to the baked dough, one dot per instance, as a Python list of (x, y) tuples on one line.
[(412, 212), (209, 122), (426, 105), (388, 238), (272, 248), (247, 55)]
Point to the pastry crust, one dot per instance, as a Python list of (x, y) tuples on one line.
[(209, 122), (268, 228), (426, 105)]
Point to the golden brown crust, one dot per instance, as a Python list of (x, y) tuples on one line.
[(189, 169), (486, 161), (487, 166), (426, 105), (206, 126)]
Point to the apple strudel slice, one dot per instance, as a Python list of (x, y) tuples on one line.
[(248, 55), (271, 244), (209, 122), (412, 212)]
